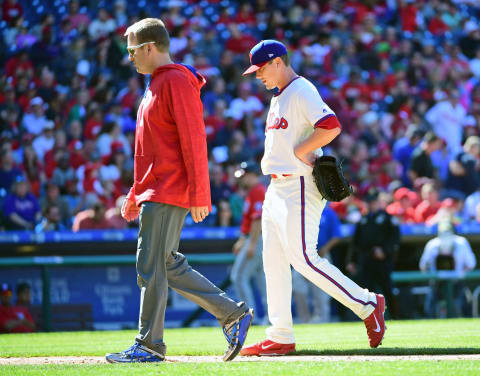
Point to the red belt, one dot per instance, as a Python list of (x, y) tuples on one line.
[(275, 176)]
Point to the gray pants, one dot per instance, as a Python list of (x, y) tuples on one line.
[(160, 266), (245, 270)]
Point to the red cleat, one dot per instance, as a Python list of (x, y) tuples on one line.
[(268, 348), (375, 323)]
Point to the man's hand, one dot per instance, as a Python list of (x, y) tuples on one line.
[(199, 213), (378, 253), (351, 268), (238, 245), (130, 211), (322, 252), (251, 249)]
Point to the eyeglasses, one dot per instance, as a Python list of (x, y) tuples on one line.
[(131, 49)]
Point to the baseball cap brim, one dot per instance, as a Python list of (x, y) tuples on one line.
[(254, 68)]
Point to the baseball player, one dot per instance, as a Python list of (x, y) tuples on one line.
[(170, 179), (248, 265), (298, 124)]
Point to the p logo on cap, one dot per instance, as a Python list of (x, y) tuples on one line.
[(263, 52)]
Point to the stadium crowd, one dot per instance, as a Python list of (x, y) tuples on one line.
[(403, 78)]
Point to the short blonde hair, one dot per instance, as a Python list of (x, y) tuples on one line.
[(471, 141), (150, 30)]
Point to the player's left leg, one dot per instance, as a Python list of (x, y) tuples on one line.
[(306, 210)]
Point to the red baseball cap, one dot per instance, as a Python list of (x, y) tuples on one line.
[(263, 52)]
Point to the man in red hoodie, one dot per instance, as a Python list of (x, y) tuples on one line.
[(170, 179)]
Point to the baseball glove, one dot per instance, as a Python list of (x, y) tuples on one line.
[(328, 176)]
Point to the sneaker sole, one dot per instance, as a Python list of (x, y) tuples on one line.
[(235, 352), (275, 354)]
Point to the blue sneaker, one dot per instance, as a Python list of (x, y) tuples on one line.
[(236, 333), (135, 354)]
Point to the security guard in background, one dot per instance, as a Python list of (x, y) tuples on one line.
[(375, 240)]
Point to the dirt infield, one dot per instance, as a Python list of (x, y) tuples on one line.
[(214, 359)]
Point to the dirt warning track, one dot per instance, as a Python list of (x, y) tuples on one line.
[(215, 359)]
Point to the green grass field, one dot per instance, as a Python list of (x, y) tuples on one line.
[(422, 337)]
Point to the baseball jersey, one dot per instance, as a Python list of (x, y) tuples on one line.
[(295, 111), (252, 208)]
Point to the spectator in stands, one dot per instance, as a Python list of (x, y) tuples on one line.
[(219, 187), (33, 169), (63, 172), (403, 205), (109, 134), (13, 319), (101, 26), (21, 208), (421, 163), (52, 198), (45, 141), (92, 219), (463, 175), (114, 216), (223, 214), (305, 292), (403, 149), (120, 13), (446, 119), (51, 220), (35, 121), (470, 41), (450, 210), (430, 204), (375, 240), (79, 20), (447, 251), (11, 10), (245, 103), (8, 106), (74, 200), (8, 172), (471, 206)]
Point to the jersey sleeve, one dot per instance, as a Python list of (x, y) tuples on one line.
[(315, 110), (187, 110)]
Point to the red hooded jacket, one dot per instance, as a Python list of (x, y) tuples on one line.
[(170, 163)]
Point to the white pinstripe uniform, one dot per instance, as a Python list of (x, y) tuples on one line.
[(292, 211)]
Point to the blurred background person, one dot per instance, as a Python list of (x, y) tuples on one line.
[(305, 293), (248, 266), (24, 295), (92, 219), (375, 240), (13, 318), (51, 220), (21, 208), (452, 253)]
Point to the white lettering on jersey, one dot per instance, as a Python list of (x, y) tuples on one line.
[(291, 119)]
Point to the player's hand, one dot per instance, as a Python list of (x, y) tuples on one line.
[(199, 213), (351, 268), (251, 250), (378, 253), (238, 245), (308, 158), (130, 211), (322, 252)]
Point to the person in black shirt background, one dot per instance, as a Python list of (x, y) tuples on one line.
[(375, 240)]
